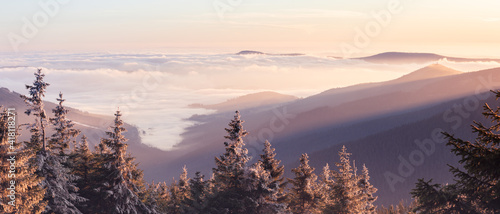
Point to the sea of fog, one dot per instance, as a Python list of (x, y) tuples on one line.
[(153, 89)]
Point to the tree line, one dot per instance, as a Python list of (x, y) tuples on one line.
[(53, 177)]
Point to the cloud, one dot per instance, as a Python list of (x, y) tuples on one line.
[(469, 66)]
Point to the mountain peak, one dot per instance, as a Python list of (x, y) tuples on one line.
[(428, 72), (249, 52), (402, 58)]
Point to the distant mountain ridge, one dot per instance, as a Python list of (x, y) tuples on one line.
[(407, 57), (428, 72), (260, 99)]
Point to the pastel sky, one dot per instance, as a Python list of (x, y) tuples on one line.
[(458, 28)]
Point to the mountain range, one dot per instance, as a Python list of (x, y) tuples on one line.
[(378, 122), (393, 127)]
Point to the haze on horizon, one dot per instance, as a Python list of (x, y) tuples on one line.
[(454, 28)]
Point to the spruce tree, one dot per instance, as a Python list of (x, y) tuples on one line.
[(64, 131), (268, 182), (366, 191), (229, 175), (197, 202), (477, 187), (272, 166), (345, 191), (231, 165), (179, 193), (327, 189), (36, 107), (162, 193), (61, 192), (82, 165), (28, 191), (304, 195), (120, 175), (261, 194), (157, 197), (439, 199)]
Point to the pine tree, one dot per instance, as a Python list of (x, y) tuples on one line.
[(345, 191), (197, 202), (439, 199), (272, 166), (162, 197), (229, 176), (304, 196), (179, 194), (261, 194), (28, 192), (366, 191), (118, 174), (268, 182), (477, 188), (61, 192), (64, 131), (230, 165), (36, 107), (83, 166), (327, 189)]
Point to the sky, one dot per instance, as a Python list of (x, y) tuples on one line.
[(341, 28)]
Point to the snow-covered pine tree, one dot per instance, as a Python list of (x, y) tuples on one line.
[(98, 182), (345, 191), (366, 191), (197, 202), (36, 107), (29, 194), (61, 192), (304, 195), (269, 163), (64, 131), (229, 175), (327, 185), (83, 165), (163, 197), (175, 200), (118, 175), (179, 193), (262, 196)]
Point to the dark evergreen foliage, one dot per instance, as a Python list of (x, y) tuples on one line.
[(477, 187), (305, 195)]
